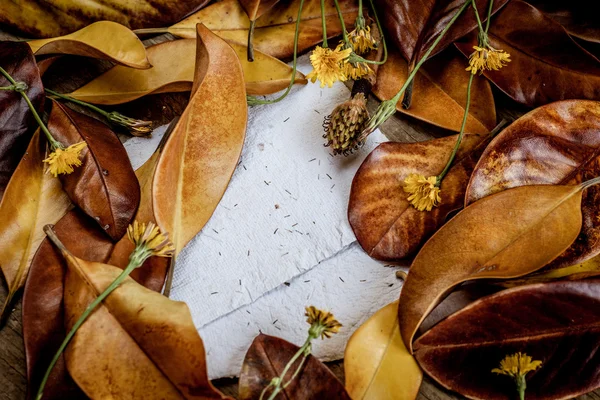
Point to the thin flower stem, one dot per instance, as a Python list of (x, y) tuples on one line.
[(55, 144), (301, 350), (360, 10), (7, 87), (460, 135), (489, 16), (134, 262), (81, 103), (477, 16), (250, 37), (325, 45), (358, 58), (591, 182), (297, 372), (342, 23), (255, 101)]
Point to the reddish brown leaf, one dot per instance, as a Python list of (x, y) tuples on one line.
[(554, 144), (547, 65), (575, 16), (266, 358), (104, 186), (16, 121), (413, 26), (385, 224), (556, 323)]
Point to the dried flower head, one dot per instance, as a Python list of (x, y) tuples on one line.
[(487, 58), (322, 323), (361, 39), (344, 126), (136, 127), (423, 192), (516, 365), (328, 65), (149, 238), (357, 70), (62, 161)]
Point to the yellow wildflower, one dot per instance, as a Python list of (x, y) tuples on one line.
[(487, 58), (150, 238), (328, 65), (345, 124), (361, 40), (423, 192), (516, 365), (356, 71), (62, 161), (322, 323)]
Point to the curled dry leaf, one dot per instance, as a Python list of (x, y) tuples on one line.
[(173, 71), (546, 64), (440, 95), (506, 235), (576, 17), (105, 173), (201, 153), (267, 357), (40, 18), (33, 199), (43, 322), (105, 40), (556, 323), (16, 121), (137, 344), (554, 144), (274, 31), (414, 26), (376, 363), (385, 224)]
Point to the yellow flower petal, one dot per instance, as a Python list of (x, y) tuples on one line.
[(517, 365), (423, 192), (322, 323), (361, 40), (150, 237), (62, 161), (328, 65)]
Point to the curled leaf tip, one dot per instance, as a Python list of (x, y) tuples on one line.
[(487, 58), (63, 161), (322, 323), (148, 238), (423, 192), (328, 65), (344, 126)]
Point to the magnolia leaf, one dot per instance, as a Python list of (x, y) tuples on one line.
[(256, 8), (43, 324), (173, 71), (386, 225), (105, 172), (546, 64), (105, 40), (414, 26), (274, 31), (440, 92), (33, 199), (199, 157), (555, 323), (376, 362), (16, 120), (266, 359), (574, 16), (506, 235), (555, 144), (149, 344), (40, 18)]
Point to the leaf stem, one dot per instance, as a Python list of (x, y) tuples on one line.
[(254, 100), (55, 144), (324, 24), (137, 258), (460, 135), (250, 37)]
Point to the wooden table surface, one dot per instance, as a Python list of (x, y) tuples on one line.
[(67, 75)]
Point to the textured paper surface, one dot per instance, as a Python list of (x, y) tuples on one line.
[(283, 214)]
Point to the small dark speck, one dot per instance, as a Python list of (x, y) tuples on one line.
[(341, 279), (248, 253), (295, 225), (286, 284), (286, 216), (278, 328), (312, 160), (274, 322), (286, 120), (363, 280), (240, 282), (283, 255), (332, 186), (317, 112), (219, 253), (215, 231), (390, 284), (277, 206), (244, 168), (329, 176), (275, 231), (296, 230), (288, 192), (248, 311), (266, 183), (235, 205), (214, 293), (307, 281)]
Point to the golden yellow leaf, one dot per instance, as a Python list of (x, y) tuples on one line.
[(105, 39), (32, 199), (377, 364)]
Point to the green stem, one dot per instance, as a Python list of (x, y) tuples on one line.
[(11, 87), (460, 135), (342, 23), (297, 371), (255, 101), (477, 16), (55, 144), (357, 58), (250, 37), (301, 350), (521, 386), (134, 262), (81, 103), (489, 16), (360, 11), (323, 22)]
